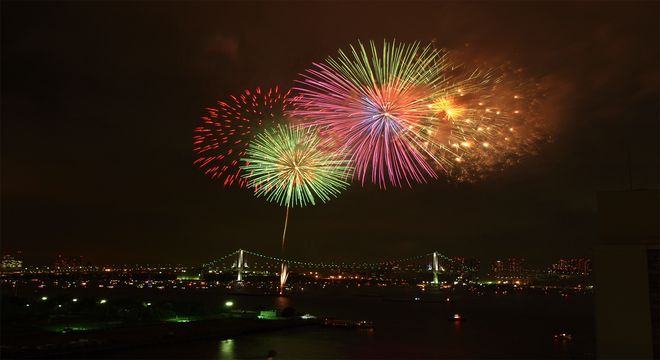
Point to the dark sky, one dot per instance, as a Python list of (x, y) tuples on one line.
[(99, 101)]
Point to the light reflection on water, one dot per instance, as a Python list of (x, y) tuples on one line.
[(501, 327), (282, 302), (227, 349)]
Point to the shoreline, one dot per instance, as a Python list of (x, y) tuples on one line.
[(89, 344)]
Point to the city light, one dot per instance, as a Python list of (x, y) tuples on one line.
[(44, 298), (229, 303), (74, 300), (103, 301)]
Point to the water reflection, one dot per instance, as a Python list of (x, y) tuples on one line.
[(367, 331), (514, 328), (282, 302), (227, 349)]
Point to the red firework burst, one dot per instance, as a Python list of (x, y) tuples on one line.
[(226, 130)]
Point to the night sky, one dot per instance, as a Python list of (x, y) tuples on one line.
[(99, 103)]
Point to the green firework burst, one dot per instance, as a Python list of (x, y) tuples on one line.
[(290, 165), (397, 65)]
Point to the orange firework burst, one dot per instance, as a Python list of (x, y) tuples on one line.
[(485, 120)]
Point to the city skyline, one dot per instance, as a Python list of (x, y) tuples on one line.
[(16, 262)]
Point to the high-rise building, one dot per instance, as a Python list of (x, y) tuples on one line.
[(497, 267), (571, 267), (509, 268)]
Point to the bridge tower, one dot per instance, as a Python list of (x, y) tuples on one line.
[(239, 266), (436, 268)]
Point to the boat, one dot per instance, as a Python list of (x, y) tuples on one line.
[(563, 337), (418, 298), (367, 324)]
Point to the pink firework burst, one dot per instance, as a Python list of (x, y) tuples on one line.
[(227, 129), (376, 105)]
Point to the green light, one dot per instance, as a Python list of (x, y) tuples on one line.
[(179, 319), (229, 303), (268, 315), (188, 277)]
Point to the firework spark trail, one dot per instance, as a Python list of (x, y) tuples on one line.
[(375, 103), (226, 130), (284, 275), (293, 166)]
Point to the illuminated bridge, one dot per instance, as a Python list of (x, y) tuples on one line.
[(244, 263)]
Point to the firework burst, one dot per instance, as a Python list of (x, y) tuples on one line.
[(227, 129), (376, 103), (484, 121), (292, 166)]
